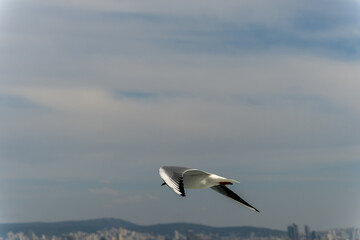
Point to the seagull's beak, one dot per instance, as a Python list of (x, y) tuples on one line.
[(163, 184)]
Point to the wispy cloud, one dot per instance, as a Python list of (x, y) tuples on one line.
[(105, 181), (255, 89), (105, 191), (11, 101)]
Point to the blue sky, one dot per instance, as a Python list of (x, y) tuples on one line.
[(95, 96)]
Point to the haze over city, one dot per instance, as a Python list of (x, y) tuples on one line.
[(95, 96)]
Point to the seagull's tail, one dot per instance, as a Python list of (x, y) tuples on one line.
[(227, 181), (223, 181)]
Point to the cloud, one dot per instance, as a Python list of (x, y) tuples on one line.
[(105, 191), (18, 102), (261, 91), (132, 29), (128, 199), (105, 181), (224, 116)]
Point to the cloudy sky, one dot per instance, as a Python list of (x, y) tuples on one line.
[(95, 96)]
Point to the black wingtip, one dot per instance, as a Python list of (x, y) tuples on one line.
[(163, 183), (256, 210)]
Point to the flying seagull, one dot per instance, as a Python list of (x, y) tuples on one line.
[(179, 178)]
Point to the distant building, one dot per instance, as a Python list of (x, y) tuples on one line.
[(293, 232), (314, 235), (351, 233), (307, 232), (330, 235), (252, 236), (176, 235), (190, 235)]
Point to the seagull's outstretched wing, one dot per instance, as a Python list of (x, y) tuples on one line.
[(174, 177), (227, 192)]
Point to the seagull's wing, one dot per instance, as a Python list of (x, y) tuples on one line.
[(227, 192), (174, 177)]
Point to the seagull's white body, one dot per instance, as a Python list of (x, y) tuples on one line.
[(202, 181), (179, 178)]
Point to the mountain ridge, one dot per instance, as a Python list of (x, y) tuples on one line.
[(94, 225)]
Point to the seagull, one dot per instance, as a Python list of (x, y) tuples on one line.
[(179, 178)]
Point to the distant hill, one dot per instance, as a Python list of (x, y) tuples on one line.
[(65, 227), (91, 226)]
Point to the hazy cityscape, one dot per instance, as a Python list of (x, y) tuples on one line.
[(293, 233)]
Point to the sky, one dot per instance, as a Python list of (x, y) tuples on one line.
[(95, 96)]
